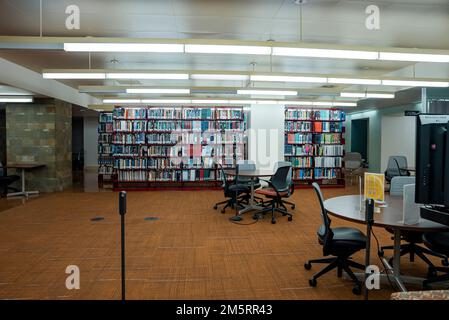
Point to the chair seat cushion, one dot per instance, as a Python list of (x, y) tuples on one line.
[(238, 187), (437, 241), (345, 240), (270, 192), (409, 236)]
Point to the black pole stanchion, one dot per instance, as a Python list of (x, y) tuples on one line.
[(122, 211), (369, 217)]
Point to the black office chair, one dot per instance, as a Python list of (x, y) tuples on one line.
[(248, 165), (341, 243), (232, 190), (278, 188), (397, 166), (6, 180), (437, 242)]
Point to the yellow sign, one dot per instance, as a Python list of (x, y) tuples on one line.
[(374, 186)]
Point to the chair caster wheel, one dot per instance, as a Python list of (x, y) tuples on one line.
[(445, 263), (215, 207), (431, 273), (293, 207), (290, 218), (312, 282), (307, 266), (357, 290), (273, 221), (222, 211)]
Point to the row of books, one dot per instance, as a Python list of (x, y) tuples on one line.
[(105, 161), (299, 138), (105, 169), (323, 115), (193, 125), (127, 138), (105, 149), (169, 175), (305, 162), (327, 138), (166, 113), (105, 117), (302, 150), (298, 126), (328, 162), (105, 138), (327, 126), (333, 150), (128, 125), (130, 163), (105, 127), (130, 113), (303, 174), (324, 173), (178, 113)]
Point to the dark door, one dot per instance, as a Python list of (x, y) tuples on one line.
[(359, 137)]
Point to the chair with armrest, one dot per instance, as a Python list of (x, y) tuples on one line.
[(397, 166), (437, 242), (248, 165), (412, 238), (341, 243), (278, 188), (6, 180), (290, 182), (353, 164), (232, 190)]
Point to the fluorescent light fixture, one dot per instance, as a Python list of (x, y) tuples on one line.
[(152, 76), (209, 101), (121, 101), (416, 57), (344, 104), (74, 75), (15, 99), (268, 92), (237, 77), (413, 83), (325, 53), (288, 79), (354, 81), (174, 101), (14, 93), (227, 49), (380, 95), (367, 95), (124, 47), (159, 91)]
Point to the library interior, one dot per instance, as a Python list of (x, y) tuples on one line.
[(254, 150)]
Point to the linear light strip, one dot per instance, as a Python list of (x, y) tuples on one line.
[(16, 99), (367, 95), (157, 91), (268, 92), (256, 50)]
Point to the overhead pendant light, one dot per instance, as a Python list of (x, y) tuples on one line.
[(415, 57), (73, 75), (205, 76), (159, 91), (288, 79), (227, 49), (268, 92), (413, 83), (124, 47), (152, 76), (354, 81), (16, 99), (324, 53)]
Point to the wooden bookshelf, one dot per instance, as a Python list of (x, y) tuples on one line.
[(175, 147), (314, 144), (105, 158)]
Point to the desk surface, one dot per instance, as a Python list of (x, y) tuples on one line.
[(25, 165), (251, 173), (348, 208)]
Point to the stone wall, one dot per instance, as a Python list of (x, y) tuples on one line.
[(2, 135), (41, 133)]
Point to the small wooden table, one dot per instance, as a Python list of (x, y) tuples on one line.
[(253, 174), (23, 167), (348, 208)]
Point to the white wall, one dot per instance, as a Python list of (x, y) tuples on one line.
[(90, 142), (266, 135), (398, 138)]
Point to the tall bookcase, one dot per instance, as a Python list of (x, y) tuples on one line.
[(177, 147), (314, 144), (105, 158)]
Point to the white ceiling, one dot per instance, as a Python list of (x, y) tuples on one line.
[(403, 23)]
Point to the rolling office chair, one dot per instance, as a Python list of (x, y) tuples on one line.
[(413, 238), (6, 180), (278, 188), (353, 164), (341, 243), (397, 166), (289, 181), (437, 242), (248, 165), (232, 190)]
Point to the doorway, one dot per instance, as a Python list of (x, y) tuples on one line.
[(359, 137)]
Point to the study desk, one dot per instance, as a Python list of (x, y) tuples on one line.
[(348, 208), (252, 174), (23, 167)]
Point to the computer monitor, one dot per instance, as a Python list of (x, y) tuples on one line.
[(432, 160)]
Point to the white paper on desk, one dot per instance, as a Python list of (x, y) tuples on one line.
[(411, 210)]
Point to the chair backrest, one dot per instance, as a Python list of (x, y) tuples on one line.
[(396, 164), (353, 160), (280, 179), (398, 183), (325, 231), (280, 164)]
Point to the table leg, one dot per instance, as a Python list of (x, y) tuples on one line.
[(397, 260), (23, 192), (252, 205)]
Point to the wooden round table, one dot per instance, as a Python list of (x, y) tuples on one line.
[(348, 208), (253, 174)]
